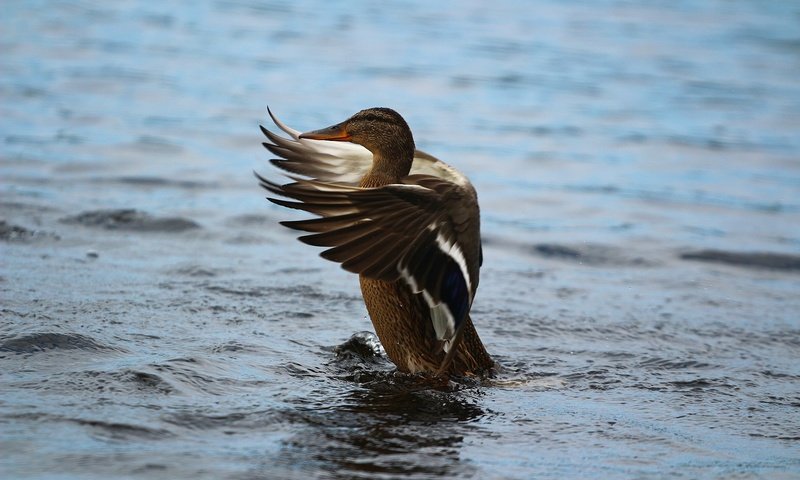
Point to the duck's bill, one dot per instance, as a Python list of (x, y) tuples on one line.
[(335, 132)]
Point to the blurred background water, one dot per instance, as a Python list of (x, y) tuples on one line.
[(638, 165)]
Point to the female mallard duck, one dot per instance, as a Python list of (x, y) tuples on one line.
[(405, 222)]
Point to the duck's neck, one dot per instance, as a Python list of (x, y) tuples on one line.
[(387, 168)]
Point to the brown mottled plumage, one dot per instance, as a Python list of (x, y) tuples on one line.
[(407, 334), (407, 223)]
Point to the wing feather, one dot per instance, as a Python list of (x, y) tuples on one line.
[(341, 162), (424, 231)]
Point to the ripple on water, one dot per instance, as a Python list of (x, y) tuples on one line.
[(147, 381), (658, 363), (592, 254), (235, 347), (195, 374), (19, 234), (362, 360), (765, 260), (375, 420), (159, 182), (250, 220), (197, 271), (130, 383), (229, 422), (130, 220), (49, 341), (122, 431)]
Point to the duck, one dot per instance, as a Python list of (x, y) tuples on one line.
[(405, 222)]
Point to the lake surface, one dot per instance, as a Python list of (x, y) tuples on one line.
[(638, 166)]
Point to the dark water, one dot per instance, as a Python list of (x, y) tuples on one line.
[(638, 166)]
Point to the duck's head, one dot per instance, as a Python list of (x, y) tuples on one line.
[(382, 131)]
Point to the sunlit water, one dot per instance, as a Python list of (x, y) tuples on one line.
[(638, 167)]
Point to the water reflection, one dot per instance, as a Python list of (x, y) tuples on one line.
[(386, 423)]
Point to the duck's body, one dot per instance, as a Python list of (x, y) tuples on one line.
[(408, 336), (406, 222)]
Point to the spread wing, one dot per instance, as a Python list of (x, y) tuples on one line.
[(341, 162), (424, 230)]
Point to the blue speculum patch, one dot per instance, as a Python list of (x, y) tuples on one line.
[(454, 292)]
